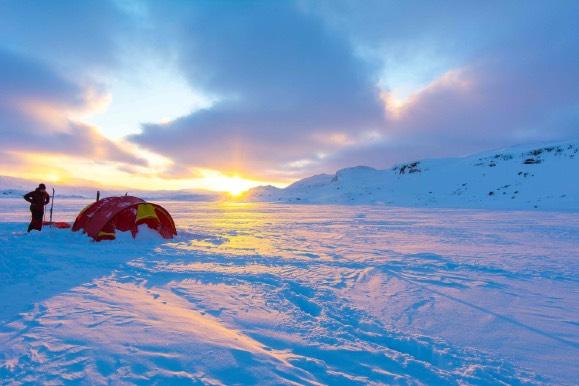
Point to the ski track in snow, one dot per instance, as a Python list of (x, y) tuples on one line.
[(266, 294)]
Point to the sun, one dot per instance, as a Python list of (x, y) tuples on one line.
[(53, 177), (237, 185), (234, 185), (236, 192)]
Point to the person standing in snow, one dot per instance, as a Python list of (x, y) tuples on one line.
[(37, 199)]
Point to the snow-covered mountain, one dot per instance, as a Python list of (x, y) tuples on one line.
[(523, 177)]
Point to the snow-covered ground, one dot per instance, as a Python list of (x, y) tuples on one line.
[(286, 294)]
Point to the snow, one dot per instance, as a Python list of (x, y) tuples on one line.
[(294, 294), (531, 177)]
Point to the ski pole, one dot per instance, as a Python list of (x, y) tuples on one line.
[(51, 207)]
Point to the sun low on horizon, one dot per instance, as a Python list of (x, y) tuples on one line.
[(56, 171)]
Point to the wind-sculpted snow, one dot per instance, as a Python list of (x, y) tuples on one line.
[(266, 294)]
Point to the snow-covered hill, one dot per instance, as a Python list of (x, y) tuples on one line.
[(544, 177)]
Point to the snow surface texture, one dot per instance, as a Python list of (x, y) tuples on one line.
[(544, 177), (294, 294)]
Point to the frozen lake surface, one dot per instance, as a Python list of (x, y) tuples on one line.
[(282, 294)]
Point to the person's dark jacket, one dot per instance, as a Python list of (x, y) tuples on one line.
[(37, 199)]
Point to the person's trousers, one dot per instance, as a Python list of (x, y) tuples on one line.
[(36, 221)]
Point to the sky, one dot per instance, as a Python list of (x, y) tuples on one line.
[(227, 95)]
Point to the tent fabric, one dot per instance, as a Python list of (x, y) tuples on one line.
[(96, 215), (146, 212), (103, 218), (57, 224)]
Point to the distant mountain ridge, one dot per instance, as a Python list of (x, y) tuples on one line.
[(522, 177), (12, 187)]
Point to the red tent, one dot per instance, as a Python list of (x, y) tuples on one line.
[(101, 219)]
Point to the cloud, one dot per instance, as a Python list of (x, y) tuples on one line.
[(296, 88), (299, 83), (76, 35), (285, 85), (517, 87), (34, 108)]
